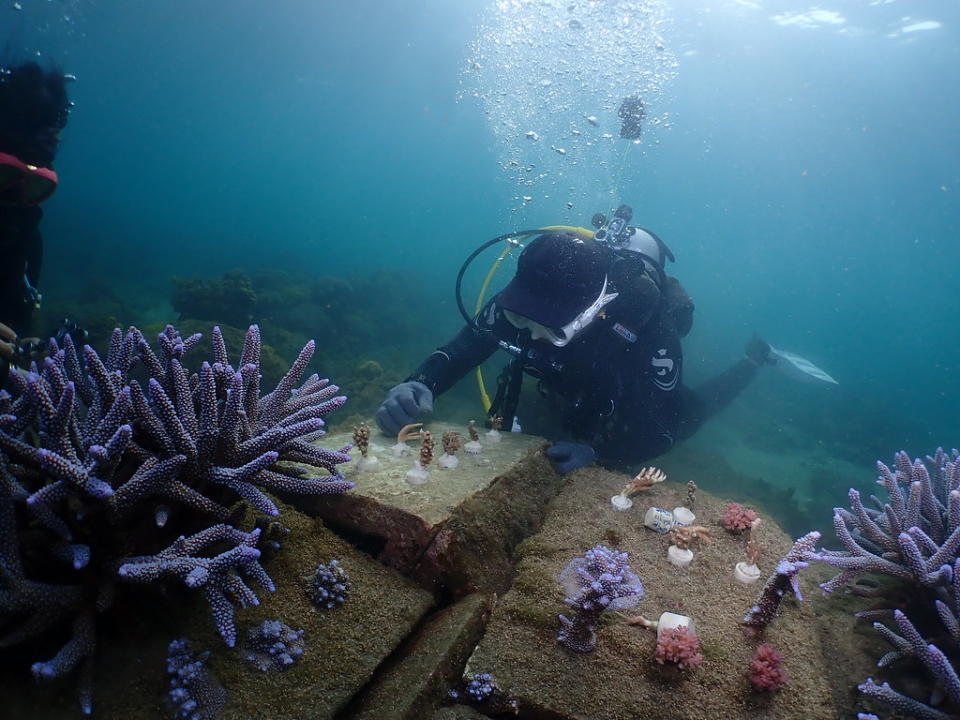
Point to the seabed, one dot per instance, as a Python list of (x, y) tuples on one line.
[(457, 577)]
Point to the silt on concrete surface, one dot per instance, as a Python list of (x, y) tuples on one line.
[(455, 532), (344, 645), (621, 678)]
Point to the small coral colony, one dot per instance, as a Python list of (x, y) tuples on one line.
[(133, 469)]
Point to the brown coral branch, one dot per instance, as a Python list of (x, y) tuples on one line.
[(426, 448), (451, 441), (409, 432), (753, 547), (472, 431), (644, 480), (683, 535), (361, 437)]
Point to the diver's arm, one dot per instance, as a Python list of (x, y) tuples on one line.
[(701, 404), (468, 348)]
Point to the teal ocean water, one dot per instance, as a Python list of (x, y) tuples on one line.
[(803, 164)]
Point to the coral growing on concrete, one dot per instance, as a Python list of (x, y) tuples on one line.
[(766, 673), (481, 690), (95, 467), (678, 646), (737, 518), (914, 537), (193, 693), (784, 578), (272, 645), (600, 580), (329, 586)]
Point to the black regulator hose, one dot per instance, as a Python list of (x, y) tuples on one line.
[(470, 320)]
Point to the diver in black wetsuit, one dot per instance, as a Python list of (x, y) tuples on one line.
[(598, 322), (33, 111)]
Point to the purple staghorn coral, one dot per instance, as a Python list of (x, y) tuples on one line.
[(784, 578), (600, 580), (100, 471), (914, 537)]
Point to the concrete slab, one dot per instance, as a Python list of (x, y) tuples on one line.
[(418, 682), (621, 678), (456, 532), (344, 646)]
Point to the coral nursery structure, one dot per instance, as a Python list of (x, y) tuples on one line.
[(107, 479)]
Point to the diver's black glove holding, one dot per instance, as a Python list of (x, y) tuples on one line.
[(757, 351), (567, 456), (406, 403)]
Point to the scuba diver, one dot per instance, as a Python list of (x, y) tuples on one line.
[(33, 112), (594, 317)]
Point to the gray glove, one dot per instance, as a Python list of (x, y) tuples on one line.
[(408, 402)]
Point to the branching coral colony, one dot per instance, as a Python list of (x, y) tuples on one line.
[(913, 537), (102, 478)]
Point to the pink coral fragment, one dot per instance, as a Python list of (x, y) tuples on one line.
[(737, 518), (766, 669), (680, 647)]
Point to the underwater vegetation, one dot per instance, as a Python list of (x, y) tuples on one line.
[(133, 469), (912, 537), (372, 336)]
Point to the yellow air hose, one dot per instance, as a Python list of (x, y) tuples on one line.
[(578, 231)]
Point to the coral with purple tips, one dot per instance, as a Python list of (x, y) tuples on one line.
[(105, 471), (194, 694), (600, 580), (329, 586), (785, 578), (913, 536), (272, 645)]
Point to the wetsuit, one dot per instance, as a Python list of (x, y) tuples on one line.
[(619, 382), (21, 253)]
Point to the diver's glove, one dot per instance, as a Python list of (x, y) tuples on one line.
[(567, 456), (406, 403), (757, 351)]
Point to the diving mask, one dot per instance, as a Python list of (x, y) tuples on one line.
[(562, 336)]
